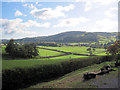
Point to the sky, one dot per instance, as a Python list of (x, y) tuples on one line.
[(21, 18)]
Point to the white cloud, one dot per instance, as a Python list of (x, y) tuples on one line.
[(90, 3), (32, 23), (17, 26), (100, 2), (114, 8), (25, 5), (112, 12), (106, 25), (105, 2), (18, 13), (32, 6), (71, 22), (49, 13), (88, 6), (103, 25), (36, 3)]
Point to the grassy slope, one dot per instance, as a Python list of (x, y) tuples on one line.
[(75, 80)]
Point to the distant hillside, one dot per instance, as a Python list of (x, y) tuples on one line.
[(73, 37)]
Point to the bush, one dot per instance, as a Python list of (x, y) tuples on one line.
[(21, 78)]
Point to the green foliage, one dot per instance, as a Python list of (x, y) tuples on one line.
[(52, 44), (23, 51), (11, 48), (91, 50), (19, 78), (115, 48)]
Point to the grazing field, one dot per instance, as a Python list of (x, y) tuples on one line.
[(46, 53), (69, 57), (51, 62), (80, 50), (26, 63), (23, 63)]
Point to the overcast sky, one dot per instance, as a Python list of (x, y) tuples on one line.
[(30, 19)]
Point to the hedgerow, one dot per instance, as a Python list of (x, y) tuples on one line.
[(22, 78)]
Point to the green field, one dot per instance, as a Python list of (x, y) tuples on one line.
[(49, 64), (46, 53), (23, 63), (69, 57), (80, 50)]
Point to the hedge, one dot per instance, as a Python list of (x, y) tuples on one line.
[(21, 78)]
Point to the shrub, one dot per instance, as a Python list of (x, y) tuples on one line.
[(21, 78)]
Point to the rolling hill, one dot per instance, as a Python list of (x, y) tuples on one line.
[(72, 37)]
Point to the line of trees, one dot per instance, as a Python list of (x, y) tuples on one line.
[(21, 50), (52, 44)]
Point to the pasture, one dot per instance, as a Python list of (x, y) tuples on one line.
[(80, 50), (51, 62), (46, 53), (25, 63)]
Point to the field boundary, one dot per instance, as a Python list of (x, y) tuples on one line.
[(21, 78), (66, 53)]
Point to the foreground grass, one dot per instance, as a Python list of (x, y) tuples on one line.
[(75, 80), (22, 63), (26, 63)]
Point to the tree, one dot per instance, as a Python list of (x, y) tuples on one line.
[(11, 47), (23, 51), (30, 50), (94, 49), (90, 51), (114, 49)]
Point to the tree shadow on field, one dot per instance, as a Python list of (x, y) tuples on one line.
[(8, 57)]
